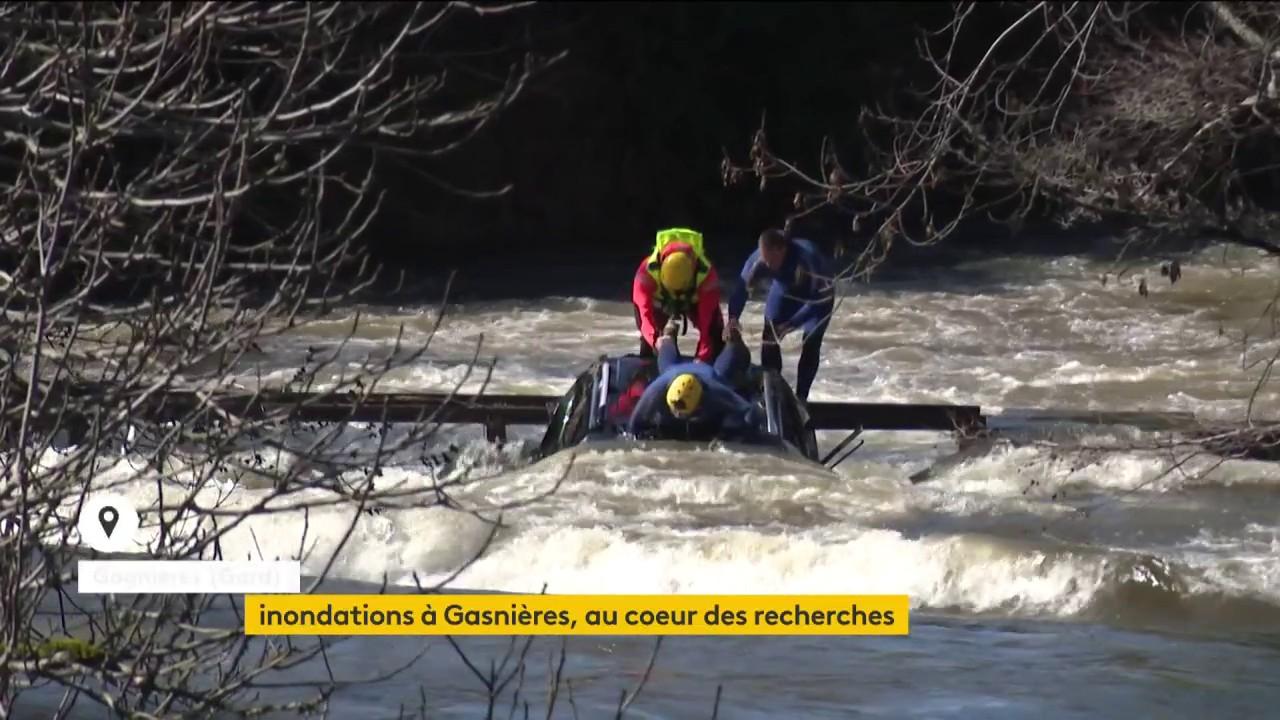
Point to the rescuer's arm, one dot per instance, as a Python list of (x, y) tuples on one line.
[(642, 295)]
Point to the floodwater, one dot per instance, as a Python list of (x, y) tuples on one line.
[(1046, 581)]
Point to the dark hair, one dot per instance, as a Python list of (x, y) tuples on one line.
[(773, 239)]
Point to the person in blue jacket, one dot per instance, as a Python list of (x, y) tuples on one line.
[(688, 391), (801, 297)]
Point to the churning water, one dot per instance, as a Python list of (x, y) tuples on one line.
[(1045, 581)]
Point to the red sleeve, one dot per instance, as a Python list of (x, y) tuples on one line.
[(708, 309), (642, 289)]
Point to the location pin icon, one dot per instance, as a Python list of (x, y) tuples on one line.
[(108, 516)]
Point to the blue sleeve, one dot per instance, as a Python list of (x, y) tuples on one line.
[(820, 269), (738, 299), (646, 406)]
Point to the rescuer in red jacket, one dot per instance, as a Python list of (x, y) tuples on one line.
[(677, 280)]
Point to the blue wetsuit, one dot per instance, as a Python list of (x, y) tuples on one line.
[(801, 296), (720, 405)]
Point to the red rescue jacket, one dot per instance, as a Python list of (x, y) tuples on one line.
[(656, 308)]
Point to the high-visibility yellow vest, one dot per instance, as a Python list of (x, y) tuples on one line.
[(676, 304)]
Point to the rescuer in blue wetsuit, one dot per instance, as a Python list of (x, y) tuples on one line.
[(802, 296), (694, 392)]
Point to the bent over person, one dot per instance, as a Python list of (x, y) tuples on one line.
[(801, 296), (694, 392), (677, 281)]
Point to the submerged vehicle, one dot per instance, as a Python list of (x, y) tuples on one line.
[(597, 409)]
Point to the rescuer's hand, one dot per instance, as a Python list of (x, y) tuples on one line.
[(731, 329)]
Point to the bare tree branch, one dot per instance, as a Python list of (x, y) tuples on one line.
[(184, 185)]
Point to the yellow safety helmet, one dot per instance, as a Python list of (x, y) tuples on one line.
[(677, 272), (684, 394)]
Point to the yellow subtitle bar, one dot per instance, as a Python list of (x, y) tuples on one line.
[(577, 615)]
